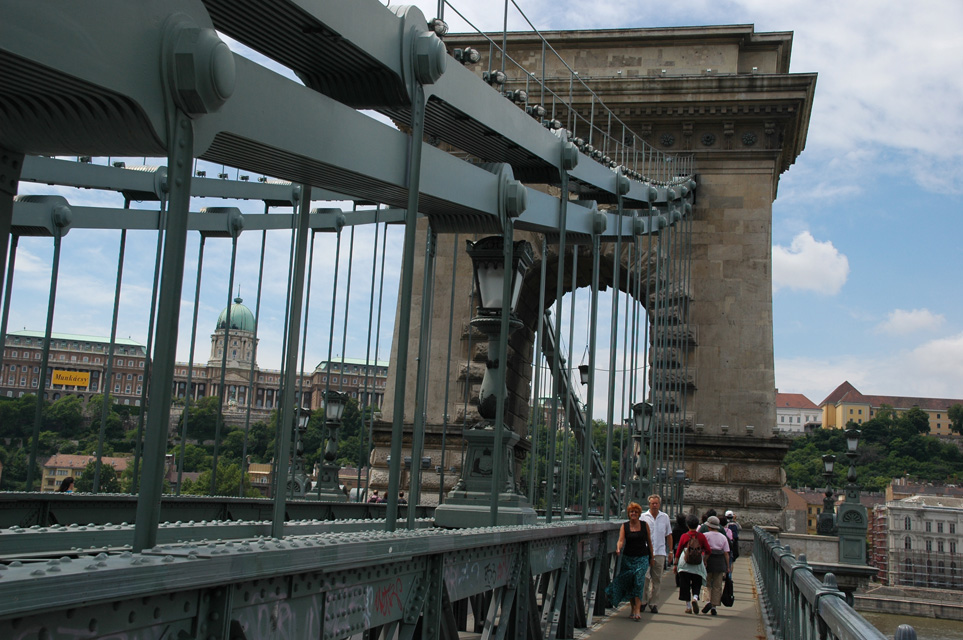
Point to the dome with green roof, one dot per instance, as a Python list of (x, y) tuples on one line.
[(241, 317)]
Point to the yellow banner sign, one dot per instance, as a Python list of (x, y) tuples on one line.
[(71, 378)]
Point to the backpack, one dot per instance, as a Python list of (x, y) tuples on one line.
[(734, 547), (693, 551)]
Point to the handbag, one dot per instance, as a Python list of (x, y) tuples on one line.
[(728, 597)]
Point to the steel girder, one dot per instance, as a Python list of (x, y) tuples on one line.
[(326, 585), (63, 95)]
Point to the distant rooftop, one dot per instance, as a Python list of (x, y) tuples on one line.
[(794, 401), (75, 337), (846, 392), (932, 501), (353, 361)]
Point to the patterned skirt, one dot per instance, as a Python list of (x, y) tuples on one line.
[(630, 583)]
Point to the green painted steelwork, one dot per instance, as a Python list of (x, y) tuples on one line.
[(165, 86)]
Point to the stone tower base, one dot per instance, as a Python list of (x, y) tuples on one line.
[(741, 473)]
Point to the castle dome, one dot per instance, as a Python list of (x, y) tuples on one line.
[(241, 317)]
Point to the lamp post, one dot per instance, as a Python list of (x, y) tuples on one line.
[(826, 523), (329, 490), (298, 483), (640, 484), (472, 501), (852, 521)]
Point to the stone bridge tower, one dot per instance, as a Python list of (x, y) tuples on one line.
[(725, 95)]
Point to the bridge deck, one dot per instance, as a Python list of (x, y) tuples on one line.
[(743, 621)]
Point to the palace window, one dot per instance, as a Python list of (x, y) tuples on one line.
[(908, 544), (907, 523)]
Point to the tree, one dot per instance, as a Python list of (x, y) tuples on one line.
[(65, 416), (232, 444), (915, 420), (201, 419), (15, 463), (196, 457), (955, 414), (257, 442), (16, 416), (109, 482), (228, 480), (116, 418)]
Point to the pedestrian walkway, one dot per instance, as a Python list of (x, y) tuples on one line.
[(742, 621)]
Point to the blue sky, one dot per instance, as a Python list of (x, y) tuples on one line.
[(866, 226)]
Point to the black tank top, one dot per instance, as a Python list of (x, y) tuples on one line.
[(636, 542)]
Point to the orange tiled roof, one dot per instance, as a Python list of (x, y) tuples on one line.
[(72, 461), (794, 401)]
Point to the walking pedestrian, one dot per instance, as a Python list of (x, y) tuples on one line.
[(734, 528), (660, 528), (717, 565), (636, 541), (690, 558)]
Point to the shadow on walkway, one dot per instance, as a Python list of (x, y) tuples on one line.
[(742, 621)]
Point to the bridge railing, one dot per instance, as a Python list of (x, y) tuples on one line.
[(523, 582), (798, 605)]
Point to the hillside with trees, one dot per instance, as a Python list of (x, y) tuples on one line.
[(890, 446), (69, 426)]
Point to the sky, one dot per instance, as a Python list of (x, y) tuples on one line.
[(866, 226)]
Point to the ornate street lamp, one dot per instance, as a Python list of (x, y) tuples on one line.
[(488, 262), (826, 523), (469, 504), (329, 489), (640, 484), (298, 483), (852, 521)]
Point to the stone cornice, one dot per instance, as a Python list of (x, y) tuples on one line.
[(742, 35), (714, 113)]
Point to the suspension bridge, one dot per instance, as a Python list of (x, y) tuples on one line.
[(647, 187)]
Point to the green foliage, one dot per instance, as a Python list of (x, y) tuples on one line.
[(572, 485), (15, 462), (890, 447), (916, 419), (196, 457), (48, 443), (955, 415), (16, 416), (228, 480), (201, 419), (109, 482), (258, 437), (65, 416)]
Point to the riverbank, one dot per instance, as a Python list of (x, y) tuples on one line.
[(911, 601)]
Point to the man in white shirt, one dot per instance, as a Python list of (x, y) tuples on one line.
[(660, 528)]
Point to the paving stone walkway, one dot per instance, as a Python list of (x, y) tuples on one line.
[(742, 621)]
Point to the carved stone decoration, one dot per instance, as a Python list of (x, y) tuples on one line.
[(770, 129), (645, 131), (728, 130), (749, 138), (687, 135), (667, 139), (708, 139)]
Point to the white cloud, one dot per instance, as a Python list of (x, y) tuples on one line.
[(808, 265), (899, 322), (929, 370)]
